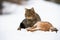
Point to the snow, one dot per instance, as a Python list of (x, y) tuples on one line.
[(10, 22)]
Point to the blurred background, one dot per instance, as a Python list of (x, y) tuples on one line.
[(55, 1), (7, 4), (12, 13)]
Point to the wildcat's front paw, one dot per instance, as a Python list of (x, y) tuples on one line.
[(19, 29)]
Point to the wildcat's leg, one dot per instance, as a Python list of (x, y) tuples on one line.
[(21, 26)]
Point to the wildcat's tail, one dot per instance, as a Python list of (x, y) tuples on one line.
[(54, 29)]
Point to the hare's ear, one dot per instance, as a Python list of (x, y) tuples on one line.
[(32, 8)]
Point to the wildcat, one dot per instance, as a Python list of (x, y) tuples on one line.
[(31, 17), (42, 25)]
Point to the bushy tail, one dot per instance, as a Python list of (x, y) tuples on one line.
[(54, 29)]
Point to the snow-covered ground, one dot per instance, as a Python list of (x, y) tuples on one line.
[(9, 23)]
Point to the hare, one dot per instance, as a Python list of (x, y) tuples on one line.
[(43, 26)]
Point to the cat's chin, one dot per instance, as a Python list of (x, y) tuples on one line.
[(29, 18)]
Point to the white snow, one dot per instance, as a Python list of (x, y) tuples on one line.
[(9, 23)]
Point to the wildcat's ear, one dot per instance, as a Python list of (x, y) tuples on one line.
[(25, 8), (32, 8)]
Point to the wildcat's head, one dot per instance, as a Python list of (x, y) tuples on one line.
[(29, 13)]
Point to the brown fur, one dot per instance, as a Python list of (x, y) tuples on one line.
[(31, 14), (44, 26)]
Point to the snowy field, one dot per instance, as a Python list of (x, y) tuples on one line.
[(9, 23)]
